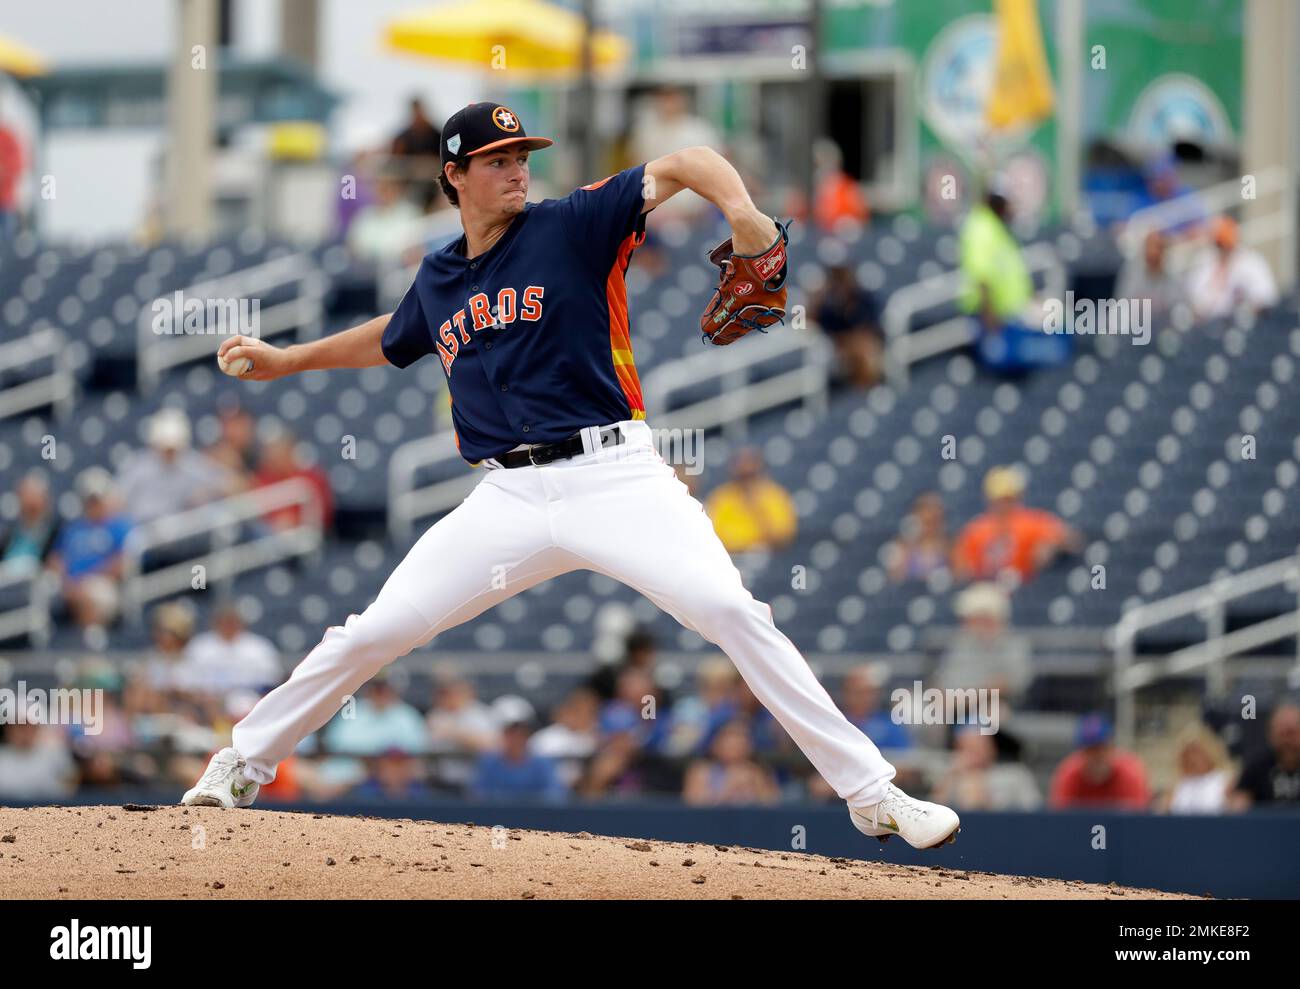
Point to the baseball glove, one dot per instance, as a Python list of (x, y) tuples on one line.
[(751, 291)]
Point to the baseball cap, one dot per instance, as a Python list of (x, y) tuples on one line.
[(1225, 232), (483, 127), (1003, 482), (1093, 730)]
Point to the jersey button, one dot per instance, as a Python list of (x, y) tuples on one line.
[(505, 387), (526, 428), (473, 288), (487, 346), (473, 264)]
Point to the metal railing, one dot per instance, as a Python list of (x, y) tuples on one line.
[(406, 502), (58, 388), (156, 351), (33, 618), (221, 521), (904, 348), (1208, 602), (739, 398), (1219, 198)]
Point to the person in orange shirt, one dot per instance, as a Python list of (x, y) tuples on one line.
[(1010, 536), (752, 511)]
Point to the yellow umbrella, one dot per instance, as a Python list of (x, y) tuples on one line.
[(508, 35), (19, 60)]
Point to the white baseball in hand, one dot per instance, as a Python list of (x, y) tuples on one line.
[(235, 368)]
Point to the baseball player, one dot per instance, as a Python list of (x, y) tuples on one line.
[(527, 313)]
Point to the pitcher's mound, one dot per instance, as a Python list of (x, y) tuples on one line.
[(136, 852)]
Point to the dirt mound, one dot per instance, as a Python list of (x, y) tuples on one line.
[(207, 853)]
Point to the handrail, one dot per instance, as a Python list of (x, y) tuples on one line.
[(58, 388), (741, 399), (304, 313), (1201, 202), (33, 618), (406, 503), (904, 348), (228, 557), (1209, 601)]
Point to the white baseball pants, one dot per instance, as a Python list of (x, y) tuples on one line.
[(620, 511)]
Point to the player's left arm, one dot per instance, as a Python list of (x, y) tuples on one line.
[(707, 173)]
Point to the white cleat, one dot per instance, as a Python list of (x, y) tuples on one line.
[(919, 823), (223, 784)]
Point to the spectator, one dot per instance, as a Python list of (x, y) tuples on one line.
[(976, 780), (32, 536), (616, 769), (639, 654), (13, 162), (458, 721), (383, 231), (1099, 773), (393, 774), (922, 547), (837, 196), (1149, 277), (514, 772), (35, 763), (985, 653), (1009, 536), (1162, 184), (847, 313), (860, 702), (694, 720), (236, 449), (172, 625), (1204, 778), (1273, 778), (668, 125), (730, 776), (230, 657), (417, 148), (751, 511), (574, 731), (460, 727), (169, 476), (88, 556), (280, 462), (381, 720), (634, 708), (1228, 275), (996, 287), (997, 290)]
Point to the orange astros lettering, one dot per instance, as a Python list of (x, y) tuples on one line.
[(478, 315)]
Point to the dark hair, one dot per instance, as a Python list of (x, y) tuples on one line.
[(448, 189)]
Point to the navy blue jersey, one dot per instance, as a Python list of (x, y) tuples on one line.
[(533, 333)]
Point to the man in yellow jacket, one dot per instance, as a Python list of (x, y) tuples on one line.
[(752, 511)]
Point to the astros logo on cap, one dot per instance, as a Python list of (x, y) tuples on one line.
[(505, 119)]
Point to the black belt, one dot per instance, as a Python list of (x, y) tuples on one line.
[(545, 453)]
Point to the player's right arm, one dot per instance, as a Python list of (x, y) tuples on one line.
[(358, 347)]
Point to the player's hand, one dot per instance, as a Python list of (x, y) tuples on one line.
[(269, 362)]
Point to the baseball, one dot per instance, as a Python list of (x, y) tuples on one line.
[(235, 369)]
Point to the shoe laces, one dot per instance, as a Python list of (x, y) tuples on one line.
[(221, 769), (899, 797)]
